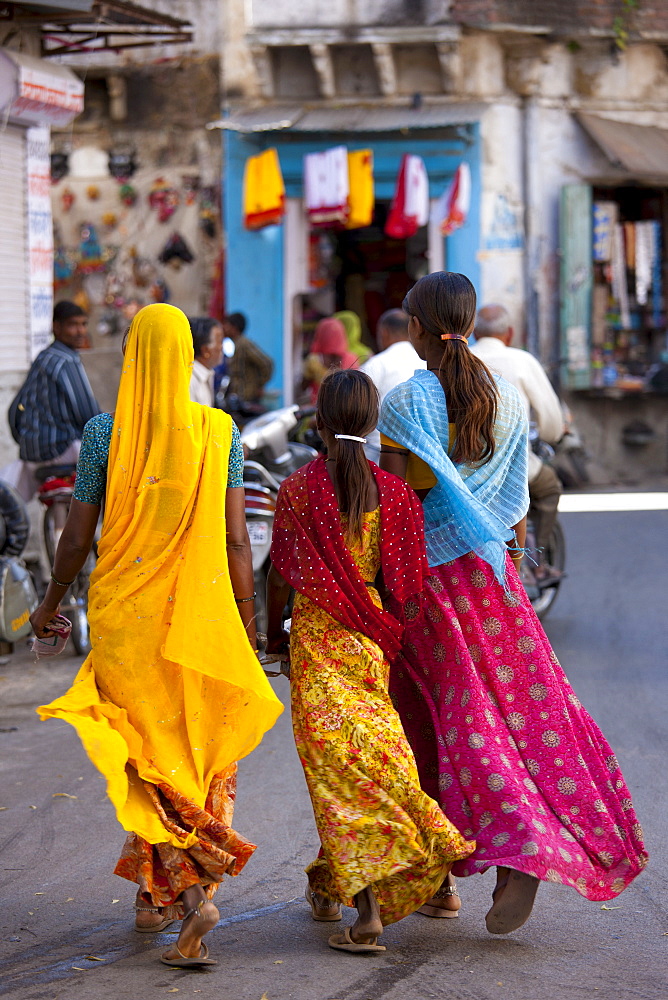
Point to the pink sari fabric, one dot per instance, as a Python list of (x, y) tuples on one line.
[(502, 742)]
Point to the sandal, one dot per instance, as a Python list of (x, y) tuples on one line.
[(344, 942), (449, 888), (154, 928), (183, 962), (513, 900), (319, 912)]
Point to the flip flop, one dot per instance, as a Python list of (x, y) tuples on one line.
[(320, 912), (513, 900), (344, 942), (183, 962)]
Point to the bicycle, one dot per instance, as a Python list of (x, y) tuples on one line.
[(55, 493)]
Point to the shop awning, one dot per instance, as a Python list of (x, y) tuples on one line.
[(353, 118), (35, 92), (75, 26), (640, 150)]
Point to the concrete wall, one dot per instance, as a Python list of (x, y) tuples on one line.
[(351, 13)]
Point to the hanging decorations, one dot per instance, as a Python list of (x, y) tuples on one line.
[(264, 191), (208, 211), (67, 199), (90, 250), (190, 184), (60, 166), (64, 266), (128, 195), (122, 163), (110, 220), (409, 210), (163, 198), (327, 187), (452, 208), (361, 190), (93, 192), (176, 252)]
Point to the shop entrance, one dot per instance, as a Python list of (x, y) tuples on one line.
[(360, 270)]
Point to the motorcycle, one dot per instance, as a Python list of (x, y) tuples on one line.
[(270, 458), (18, 597), (542, 597)]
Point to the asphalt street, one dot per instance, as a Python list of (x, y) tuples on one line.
[(66, 921)]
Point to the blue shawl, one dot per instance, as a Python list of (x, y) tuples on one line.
[(471, 508)]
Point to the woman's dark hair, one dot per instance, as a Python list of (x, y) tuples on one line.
[(201, 327), (348, 404), (445, 302)]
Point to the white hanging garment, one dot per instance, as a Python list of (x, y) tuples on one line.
[(619, 287), (326, 186), (417, 190), (645, 255)]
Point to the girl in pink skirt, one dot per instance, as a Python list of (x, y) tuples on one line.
[(500, 737)]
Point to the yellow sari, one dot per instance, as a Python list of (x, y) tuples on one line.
[(172, 694)]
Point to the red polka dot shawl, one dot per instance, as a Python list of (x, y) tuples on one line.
[(309, 550)]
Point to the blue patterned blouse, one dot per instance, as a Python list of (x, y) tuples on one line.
[(92, 466)]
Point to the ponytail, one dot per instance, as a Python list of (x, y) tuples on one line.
[(348, 404), (445, 303)]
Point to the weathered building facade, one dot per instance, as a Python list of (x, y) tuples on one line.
[(529, 95)]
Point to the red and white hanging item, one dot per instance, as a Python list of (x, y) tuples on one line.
[(452, 208), (410, 206), (327, 187)]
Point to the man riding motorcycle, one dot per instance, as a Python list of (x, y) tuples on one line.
[(494, 334)]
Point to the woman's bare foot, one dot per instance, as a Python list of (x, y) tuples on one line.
[(445, 902), (201, 916), (151, 918), (368, 926)]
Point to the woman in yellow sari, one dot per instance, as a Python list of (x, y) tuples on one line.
[(172, 693)]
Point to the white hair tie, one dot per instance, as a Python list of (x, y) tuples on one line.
[(350, 437)]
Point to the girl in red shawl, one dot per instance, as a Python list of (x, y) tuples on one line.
[(329, 349), (342, 525)]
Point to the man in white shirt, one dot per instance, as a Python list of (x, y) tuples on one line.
[(494, 334), (208, 346), (395, 363)]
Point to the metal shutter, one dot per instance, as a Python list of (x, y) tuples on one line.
[(14, 319)]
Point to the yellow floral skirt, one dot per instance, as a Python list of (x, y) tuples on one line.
[(377, 827)]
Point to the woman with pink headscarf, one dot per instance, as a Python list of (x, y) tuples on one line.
[(329, 350)]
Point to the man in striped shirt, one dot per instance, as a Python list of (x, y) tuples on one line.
[(55, 402)]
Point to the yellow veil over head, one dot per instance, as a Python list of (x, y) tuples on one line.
[(172, 692)]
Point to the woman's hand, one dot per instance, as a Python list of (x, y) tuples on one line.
[(278, 642), (40, 619)]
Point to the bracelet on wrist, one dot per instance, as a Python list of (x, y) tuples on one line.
[(245, 600), (60, 583)]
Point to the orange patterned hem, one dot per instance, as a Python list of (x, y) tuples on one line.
[(162, 871)]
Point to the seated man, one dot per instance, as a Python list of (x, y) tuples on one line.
[(494, 335), (52, 407)]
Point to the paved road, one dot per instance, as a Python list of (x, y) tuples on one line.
[(61, 905)]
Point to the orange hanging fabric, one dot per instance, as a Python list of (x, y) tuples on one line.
[(264, 190), (361, 195)]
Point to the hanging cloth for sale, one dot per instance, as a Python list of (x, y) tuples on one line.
[(410, 206), (327, 187), (264, 190), (361, 194), (645, 252), (452, 208), (620, 290)]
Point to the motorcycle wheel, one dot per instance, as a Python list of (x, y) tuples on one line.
[(556, 556), (77, 611)]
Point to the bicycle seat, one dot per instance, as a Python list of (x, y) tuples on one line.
[(45, 472)]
